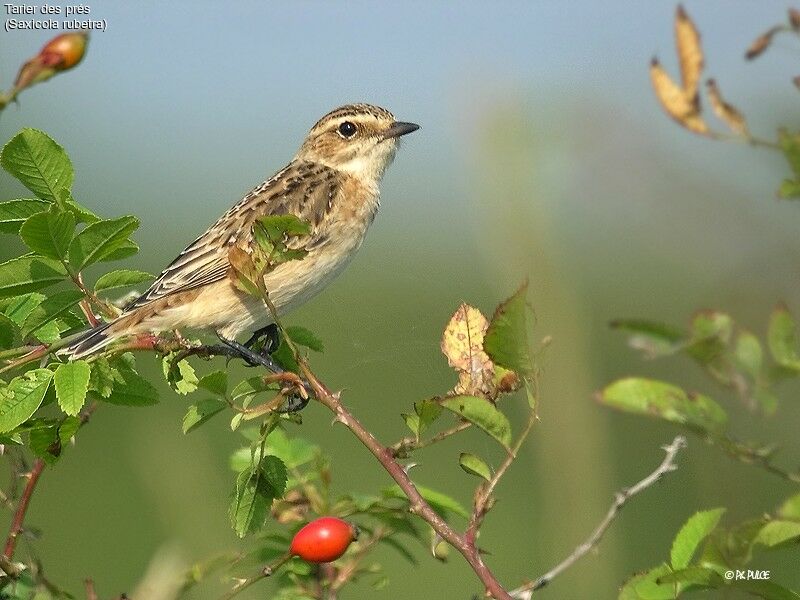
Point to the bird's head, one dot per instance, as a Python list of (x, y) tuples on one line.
[(359, 139)]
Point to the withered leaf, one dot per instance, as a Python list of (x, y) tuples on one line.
[(762, 42), (726, 112), (690, 54), (794, 18), (462, 344), (674, 101)]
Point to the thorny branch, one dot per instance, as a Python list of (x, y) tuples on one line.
[(667, 466)]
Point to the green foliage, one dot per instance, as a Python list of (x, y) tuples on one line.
[(790, 145), (506, 339), (482, 413), (256, 487), (40, 164), (71, 381), (694, 531), (21, 397), (474, 465), (120, 278)]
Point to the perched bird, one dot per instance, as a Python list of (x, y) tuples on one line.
[(331, 183)]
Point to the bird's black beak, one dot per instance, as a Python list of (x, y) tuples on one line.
[(399, 128)]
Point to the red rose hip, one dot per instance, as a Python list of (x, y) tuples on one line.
[(323, 540)]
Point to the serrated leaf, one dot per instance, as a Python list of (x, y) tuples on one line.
[(49, 309), (506, 339), (102, 378), (255, 490), (200, 412), (18, 309), (29, 273), (482, 413), (782, 338), (40, 164), (98, 240), (49, 233), (180, 375), (121, 278), (126, 249), (474, 465), (215, 382), (71, 381), (693, 532), (22, 396), (13, 213), (427, 411), (131, 389), (304, 337), (412, 422), (663, 400), (293, 451), (777, 532)]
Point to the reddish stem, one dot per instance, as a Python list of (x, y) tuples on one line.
[(22, 508), (418, 505)]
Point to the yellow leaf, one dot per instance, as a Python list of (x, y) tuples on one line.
[(726, 112), (690, 54), (462, 344), (674, 100)]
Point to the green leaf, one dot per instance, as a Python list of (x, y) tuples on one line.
[(247, 390), (790, 144), (22, 396), (427, 412), (790, 509), (506, 339), (131, 389), (651, 338), (102, 378), (276, 226), (693, 532), (482, 413), (180, 375), (72, 382), (39, 163), (694, 577), (777, 532), (18, 309), (49, 309), (121, 278), (765, 589), (202, 411), (27, 274), (441, 503), (255, 490), (215, 382), (304, 337), (412, 422), (646, 586), (98, 240), (782, 338), (126, 249), (293, 451), (659, 399), (710, 333), (49, 233), (8, 331), (749, 354), (474, 465), (13, 213)]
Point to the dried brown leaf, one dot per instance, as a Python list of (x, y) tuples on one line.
[(794, 18), (674, 100), (796, 81), (726, 112), (762, 42), (690, 53)]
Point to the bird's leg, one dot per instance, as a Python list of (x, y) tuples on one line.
[(270, 336), (294, 402)]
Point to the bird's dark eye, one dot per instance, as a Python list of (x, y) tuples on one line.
[(347, 129)]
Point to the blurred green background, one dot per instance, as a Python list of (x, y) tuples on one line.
[(542, 154)]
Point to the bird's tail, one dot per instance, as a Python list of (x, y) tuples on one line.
[(88, 342)]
